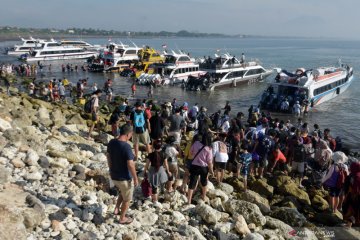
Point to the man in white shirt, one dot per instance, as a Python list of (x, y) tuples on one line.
[(94, 110)]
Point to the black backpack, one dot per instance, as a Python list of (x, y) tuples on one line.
[(88, 105)]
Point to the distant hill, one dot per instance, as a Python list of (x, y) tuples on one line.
[(10, 33)]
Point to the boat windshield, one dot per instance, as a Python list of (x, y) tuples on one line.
[(170, 59)]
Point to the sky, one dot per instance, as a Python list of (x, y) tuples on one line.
[(303, 18)]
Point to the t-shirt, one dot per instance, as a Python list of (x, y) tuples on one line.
[(157, 125), (171, 154), (175, 123), (219, 150), (279, 156), (245, 160), (265, 145), (204, 158), (132, 118), (119, 153)]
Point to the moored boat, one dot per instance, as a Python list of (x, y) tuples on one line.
[(26, 46), (227, 71), (307, 88)]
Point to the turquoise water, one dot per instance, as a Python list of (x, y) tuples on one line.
[(341, 114)]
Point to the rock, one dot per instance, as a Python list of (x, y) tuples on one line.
[(235, 183), (278, 181), (57, 226), (35, 176), (253, 236), (208, 214), (270, 234), (72, 157), (217, 204), (4, 175), (226, 188), (217, 193), (250, 211), (241, 226), (178, 217), (190, 232), (292, 189), (70, 225), (319, 203), (58, 216), (328, 218), (142, 236), (4, 125), (283, 228), (12, 224), (78, 168), (254, 197), (44, 162), (76, 119), (58, 118), (60, 163), (33, 217), (9, 152), (100, 157), (31, 158), (262, 188), (289, 215), (87, 236), (104, 138), (147, 218), (224, 227), (16, 162)]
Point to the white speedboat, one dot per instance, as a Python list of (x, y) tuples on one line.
[(226, 70), (54, 51), (177, 68), (115, 58), (25, 47), (81, 44), (308, 88)]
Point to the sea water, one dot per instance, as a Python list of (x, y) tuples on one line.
[(341, 114)]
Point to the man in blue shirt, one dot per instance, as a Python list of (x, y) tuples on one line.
[(122, 170)]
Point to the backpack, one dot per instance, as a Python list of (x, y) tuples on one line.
[(341, 178), (88, 105), (139, 122), (299, 153)]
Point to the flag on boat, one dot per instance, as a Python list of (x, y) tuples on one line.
[(164, 46)]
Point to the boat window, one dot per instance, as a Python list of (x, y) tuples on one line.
[(255, 71), (230, 75), (130, 51), (169, 71), (29, 42), (33, 53), (155, 55), (25, 48), (184, 59), (52, 44)]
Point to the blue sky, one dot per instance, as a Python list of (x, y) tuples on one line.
[(308, 18)]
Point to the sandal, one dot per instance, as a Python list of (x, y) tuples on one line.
[(127, 221)]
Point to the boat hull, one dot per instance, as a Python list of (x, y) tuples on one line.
[(241, 80), (61, 57)]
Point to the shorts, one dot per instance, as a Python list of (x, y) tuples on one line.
[(220, 165), (196, 171), (298, 167), (144, 138), (94, 117), (126, 189), (245, 171), (234, 166), (333, 191), (263, 162)]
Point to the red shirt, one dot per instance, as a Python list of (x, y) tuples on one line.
[(279, 156)]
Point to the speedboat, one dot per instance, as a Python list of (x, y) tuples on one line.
[(54, 51), (25, 47), (176, 68), (115, 58), (308, 88), (227, 71), (81, 44)]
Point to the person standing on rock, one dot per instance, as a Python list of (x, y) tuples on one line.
[(142, 128), (122, 171), (201, 165), (94, 111)]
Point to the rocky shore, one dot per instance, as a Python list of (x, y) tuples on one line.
[(54, 184)]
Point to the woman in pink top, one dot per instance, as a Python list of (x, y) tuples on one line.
[(201, 165)]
